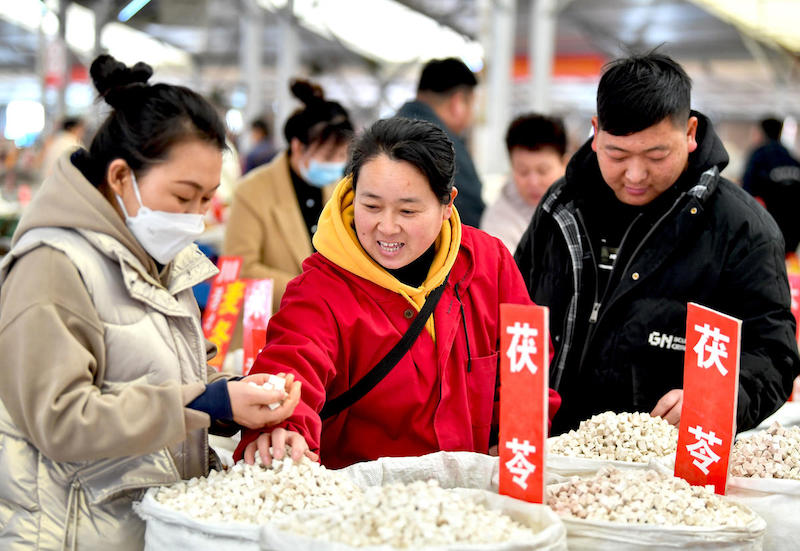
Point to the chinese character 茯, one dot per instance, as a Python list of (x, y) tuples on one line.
[(523, 343), (716, 349), (701, 450), (519, 464)]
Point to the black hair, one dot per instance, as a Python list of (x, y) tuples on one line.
[(535, 132), (319, 120), (445, 76), (641, 90), (71, 122), (146, 120), (260, 124), (772, 128), (421, 144)]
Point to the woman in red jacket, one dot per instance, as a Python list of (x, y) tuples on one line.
[(389, 241)]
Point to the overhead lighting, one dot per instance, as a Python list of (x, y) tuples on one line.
[(131, 9), (771, 20), (24, 118), (123, 42), (391, 36)]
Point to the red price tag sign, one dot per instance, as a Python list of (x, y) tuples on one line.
[(229, 268), (222, 308), (257, 311), (794, 288), (710, 389), (524, 368), (226, 317)]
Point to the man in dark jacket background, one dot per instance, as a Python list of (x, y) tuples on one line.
[(641, 224), (445, 97), (773, 176)]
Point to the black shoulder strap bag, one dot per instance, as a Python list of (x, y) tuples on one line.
[(352, 395)]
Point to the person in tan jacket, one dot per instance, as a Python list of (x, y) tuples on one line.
[(276, 207), (106, 388)]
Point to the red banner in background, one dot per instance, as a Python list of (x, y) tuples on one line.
[(794, 288), (222, 310), (524, 368), (710, 390), (257, 311)]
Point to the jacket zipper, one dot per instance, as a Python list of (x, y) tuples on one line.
[(596, 302), (593, 317), (652, 230)]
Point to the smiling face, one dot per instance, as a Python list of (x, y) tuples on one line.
[(184, 183), (643, 165), (397, 215)]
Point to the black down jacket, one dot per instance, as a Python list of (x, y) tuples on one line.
[(713, 245)]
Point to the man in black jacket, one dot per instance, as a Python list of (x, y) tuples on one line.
[(446, 97), (641, 224)]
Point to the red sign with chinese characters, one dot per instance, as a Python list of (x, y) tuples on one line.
[(257, 310), (524, 369), (794, 288), (710, 390), (222, 310)]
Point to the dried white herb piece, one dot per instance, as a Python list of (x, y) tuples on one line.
[(633, 437), (772, 453), (645, 497)]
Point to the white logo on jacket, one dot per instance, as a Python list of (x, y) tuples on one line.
[(670, 342)]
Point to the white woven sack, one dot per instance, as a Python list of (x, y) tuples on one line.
[(591, 535), (450, 469), (170, 529), (560, 468), (550, 532), (777, 501)]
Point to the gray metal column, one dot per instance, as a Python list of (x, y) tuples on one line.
[(541, 41), (252, 26), (498, 93), (61, 105), (102, 15), (287, 68)]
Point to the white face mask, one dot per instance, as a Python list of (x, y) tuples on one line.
[(162, 234)]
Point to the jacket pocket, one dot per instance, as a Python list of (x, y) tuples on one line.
[(105, 479), (19, 487), (481, 384)]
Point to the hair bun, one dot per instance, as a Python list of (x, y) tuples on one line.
[(307, 92), (111, 77)]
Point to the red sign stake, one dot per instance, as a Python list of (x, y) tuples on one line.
[(710, 390), (524, 368)]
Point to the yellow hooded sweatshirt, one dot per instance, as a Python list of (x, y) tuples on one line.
[(336, 240)]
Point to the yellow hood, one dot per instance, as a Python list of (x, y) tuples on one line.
[(336, 240)]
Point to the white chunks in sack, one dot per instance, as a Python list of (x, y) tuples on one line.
[(645, 497), (274, 382), (633, 437), (411, 516), (255, 494), (772, 453)]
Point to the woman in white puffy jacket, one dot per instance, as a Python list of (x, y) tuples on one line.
[(106, 389)]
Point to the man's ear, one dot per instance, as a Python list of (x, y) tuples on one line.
[(118, 176), (691, 134), (594, 135)]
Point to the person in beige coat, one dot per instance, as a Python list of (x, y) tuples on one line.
[(105, 387), (276, 207)]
